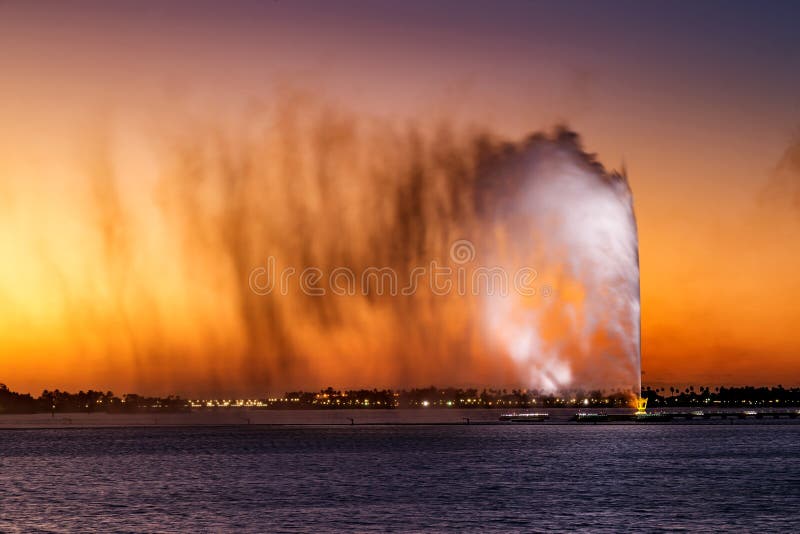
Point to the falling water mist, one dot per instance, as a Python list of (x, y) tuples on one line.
[(152, 278)]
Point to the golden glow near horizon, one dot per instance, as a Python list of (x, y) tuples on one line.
[(89, 99)]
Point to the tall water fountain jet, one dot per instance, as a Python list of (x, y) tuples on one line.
[(173, 225), (556, 209)]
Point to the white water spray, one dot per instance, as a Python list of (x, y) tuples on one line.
[(575, 223)]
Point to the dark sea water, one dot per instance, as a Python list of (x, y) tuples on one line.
[(402, 478)]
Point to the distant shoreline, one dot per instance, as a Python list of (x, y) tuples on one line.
[(274, 418), (61, 403)]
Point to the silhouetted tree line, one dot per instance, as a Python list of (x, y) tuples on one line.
[(84, 401), (722, 396), (98, 401)]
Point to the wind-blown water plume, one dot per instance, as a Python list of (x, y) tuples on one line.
[(783, 188), (165, 296), (560, 210)]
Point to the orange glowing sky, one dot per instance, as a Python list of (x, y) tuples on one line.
[(699, 102)]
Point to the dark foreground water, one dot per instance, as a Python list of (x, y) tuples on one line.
[(405, 478)]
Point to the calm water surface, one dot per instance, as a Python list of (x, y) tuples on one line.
[(402, 478)]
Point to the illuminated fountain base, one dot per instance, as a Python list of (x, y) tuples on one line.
[(641, 406), (641, 413)]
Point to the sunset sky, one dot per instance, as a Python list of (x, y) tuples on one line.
[(699, 101)]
